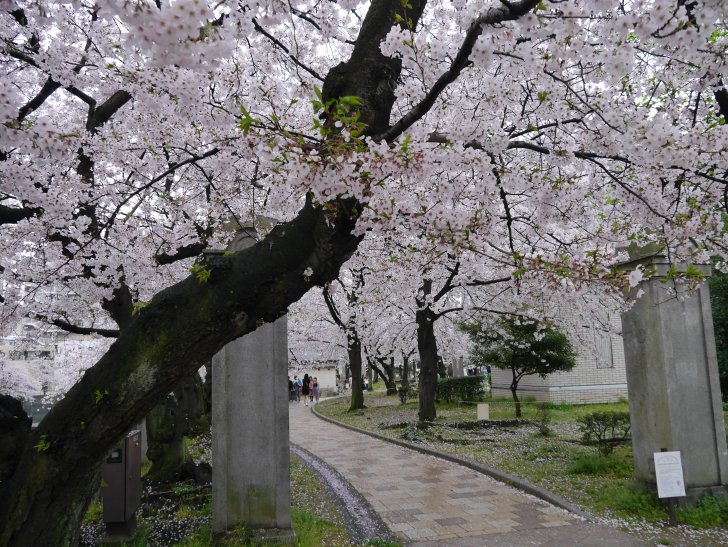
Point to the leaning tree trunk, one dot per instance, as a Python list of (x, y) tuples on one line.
[(355, 366), (427, 346)]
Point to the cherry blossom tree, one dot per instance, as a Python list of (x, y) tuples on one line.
[(345, 316), (536, 135)]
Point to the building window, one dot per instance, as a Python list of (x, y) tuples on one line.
[(603, 348)]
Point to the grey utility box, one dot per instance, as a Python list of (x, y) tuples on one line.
[(121, 476)]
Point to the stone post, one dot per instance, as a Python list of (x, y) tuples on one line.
[(250, 454), (672, 379)]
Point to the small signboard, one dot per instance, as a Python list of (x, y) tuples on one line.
[(669, 473)]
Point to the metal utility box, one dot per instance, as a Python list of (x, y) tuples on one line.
[(121, 476)]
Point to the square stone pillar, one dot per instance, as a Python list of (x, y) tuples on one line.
[(250, 453), (672, 379)]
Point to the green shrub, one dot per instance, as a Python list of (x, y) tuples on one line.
[(543, 420), (468, 388), (606, 429)]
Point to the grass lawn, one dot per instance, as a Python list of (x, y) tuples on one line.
[(600, 485)]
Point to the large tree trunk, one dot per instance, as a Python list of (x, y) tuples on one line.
[(355, 366), (427, 346), (15, 427), (167, 447)]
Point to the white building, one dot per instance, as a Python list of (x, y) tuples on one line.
[(598, 377)]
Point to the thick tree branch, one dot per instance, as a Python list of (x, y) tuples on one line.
[(507, 12), (332, 309), (13, 215), (448, 286), (186, 251), (68, 327), (120, 306), (98, 116), (49, 87), (482, 283)]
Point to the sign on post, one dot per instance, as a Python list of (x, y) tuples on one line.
[(669, 474)]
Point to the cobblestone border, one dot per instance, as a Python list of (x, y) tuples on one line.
[(506, 478)]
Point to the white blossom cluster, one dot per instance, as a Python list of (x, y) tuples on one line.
[(568, 132)]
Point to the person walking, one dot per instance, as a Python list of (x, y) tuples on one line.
[(291, 394), (297, 388), (306, 388), (315, 390)]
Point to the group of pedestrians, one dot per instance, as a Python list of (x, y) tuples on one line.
[(306, 388)]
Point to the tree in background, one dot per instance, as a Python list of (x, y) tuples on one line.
[(525, 347)]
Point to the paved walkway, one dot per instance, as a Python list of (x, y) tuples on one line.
[(427, 501)]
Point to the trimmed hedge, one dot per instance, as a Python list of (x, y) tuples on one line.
[(468, 388)]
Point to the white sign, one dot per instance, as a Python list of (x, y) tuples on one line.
[(669, 473)]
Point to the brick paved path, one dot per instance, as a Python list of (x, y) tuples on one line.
[(428, 501)]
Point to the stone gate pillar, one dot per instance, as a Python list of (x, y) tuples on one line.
[(250, 454), (672, 379)]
